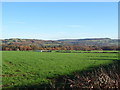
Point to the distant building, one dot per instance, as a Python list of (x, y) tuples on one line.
[(43, 50), (18, 49)]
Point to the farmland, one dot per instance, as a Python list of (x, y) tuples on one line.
[(28, 68)]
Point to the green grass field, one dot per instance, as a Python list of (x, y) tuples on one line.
[(26, 68)]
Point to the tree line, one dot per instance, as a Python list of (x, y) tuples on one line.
[(60, 47)]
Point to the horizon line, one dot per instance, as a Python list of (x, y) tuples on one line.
[(59, 39)]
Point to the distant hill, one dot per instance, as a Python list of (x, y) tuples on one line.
[(91, 41), (88, 41), (84, 39)]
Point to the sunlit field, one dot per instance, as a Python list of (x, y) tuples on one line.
[(29, 68)]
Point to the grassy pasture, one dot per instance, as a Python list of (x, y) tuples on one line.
[(25, 68)]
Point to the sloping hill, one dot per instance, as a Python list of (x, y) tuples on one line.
[(91, 41), (88, 41)]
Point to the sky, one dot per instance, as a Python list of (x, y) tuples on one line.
[(59, 20)]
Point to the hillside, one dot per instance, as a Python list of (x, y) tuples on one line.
[(92, 41), (88, 41)]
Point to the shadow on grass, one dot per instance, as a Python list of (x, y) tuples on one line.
[(101, 77), (106, 59), (82, 79), (113, 58)]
